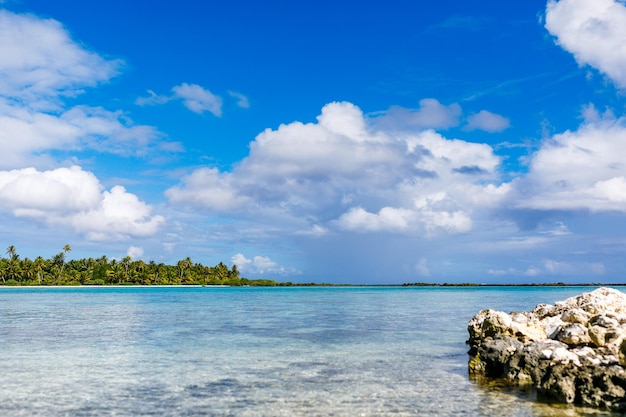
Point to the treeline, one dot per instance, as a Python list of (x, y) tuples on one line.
[(104, 271)]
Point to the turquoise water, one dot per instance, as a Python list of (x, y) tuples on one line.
[(198, 351)]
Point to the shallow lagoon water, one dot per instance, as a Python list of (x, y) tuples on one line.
[(200, 351)]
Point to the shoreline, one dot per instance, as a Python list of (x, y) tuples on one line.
[(325, 285)]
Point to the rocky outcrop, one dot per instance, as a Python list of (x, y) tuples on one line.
[(573, 351)]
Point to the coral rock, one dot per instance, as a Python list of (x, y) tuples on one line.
[(573, 351)]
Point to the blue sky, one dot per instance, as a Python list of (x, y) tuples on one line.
[(320, 141)]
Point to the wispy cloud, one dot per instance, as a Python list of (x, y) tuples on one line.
[(41, 63), (152, 99), (242, 100), (195, 97), (430, 114), (198, 99)]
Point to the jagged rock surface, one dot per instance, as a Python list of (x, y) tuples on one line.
[(573, 351)]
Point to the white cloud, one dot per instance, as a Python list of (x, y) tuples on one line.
[(134, 252), (431, 114), (314, 230), (207, 187), (387, 219), (593, 31), (487, 121), (40, 61), (342, 172), (40, 66), (109, 132), (439, 212), (502, 272), (590, 114), (578, 170), (195, 97), (260, 265), (532, 272), (198, 99), (26, 133), (60, 190), (73, 197), (119, 215)]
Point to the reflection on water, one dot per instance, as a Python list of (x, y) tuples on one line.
[(253, 352), (500, 395)]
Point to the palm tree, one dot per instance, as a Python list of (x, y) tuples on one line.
[(183, 267), (39, 264), (12, 252), (13, 267), (125, 263), (115, 272), (59, 260)]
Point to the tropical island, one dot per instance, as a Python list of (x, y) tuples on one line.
[(59, 271), (17, 271)]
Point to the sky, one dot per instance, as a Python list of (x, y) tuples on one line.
[(328, 141)]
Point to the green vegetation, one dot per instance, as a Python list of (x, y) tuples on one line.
[(15, 271), (103, 271)]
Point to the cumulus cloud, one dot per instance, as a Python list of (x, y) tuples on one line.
[(439, 212), (134, 252), (119, 215), (487, 121), (260, 265), (40, 61), (73, 197), (578, 170), (207, 187), (388, 218), (31, 192), (343, 172), (593, 31)]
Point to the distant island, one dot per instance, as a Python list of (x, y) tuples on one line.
[(531, 284), (15, 271), (58, 271)]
